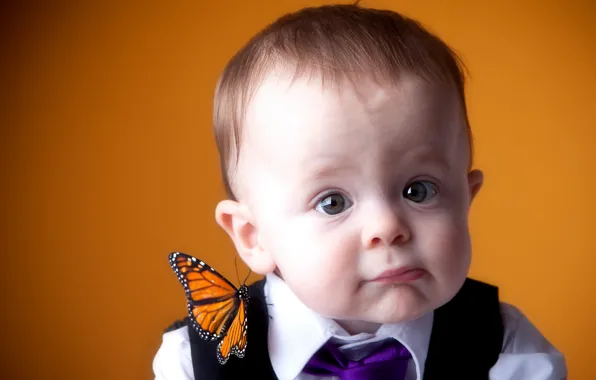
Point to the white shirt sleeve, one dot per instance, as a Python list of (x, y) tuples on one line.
[(526, 354), (173, 360)]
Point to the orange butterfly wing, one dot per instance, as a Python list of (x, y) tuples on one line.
[(234, 342), (213, 302)]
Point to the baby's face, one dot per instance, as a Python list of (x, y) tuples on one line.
[(360, 197)]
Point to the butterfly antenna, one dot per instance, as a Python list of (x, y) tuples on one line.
[(236, 266), (246, 278)]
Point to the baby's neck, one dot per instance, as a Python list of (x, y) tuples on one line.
[(356, 327)]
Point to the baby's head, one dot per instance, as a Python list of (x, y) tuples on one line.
[(346, 153)]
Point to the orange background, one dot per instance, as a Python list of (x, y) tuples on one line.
[(109, 164)]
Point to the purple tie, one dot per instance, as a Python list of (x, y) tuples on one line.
[(389, 361)]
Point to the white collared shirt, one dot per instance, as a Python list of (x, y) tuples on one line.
[(296, 333)]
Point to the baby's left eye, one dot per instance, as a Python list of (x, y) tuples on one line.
[(420, 191)]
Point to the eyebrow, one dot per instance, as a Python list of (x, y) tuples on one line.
[(326, 166), (433, 159), (429, 154)]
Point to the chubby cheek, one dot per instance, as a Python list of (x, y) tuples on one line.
[(447, 251), (316, 269), (322, 289)]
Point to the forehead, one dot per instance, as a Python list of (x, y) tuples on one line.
[(286, 113)]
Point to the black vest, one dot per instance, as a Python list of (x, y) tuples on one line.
[(465, 342)]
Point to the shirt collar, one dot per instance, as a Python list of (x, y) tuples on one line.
[(297, 332)]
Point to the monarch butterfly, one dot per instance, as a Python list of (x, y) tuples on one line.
[(216, 307)]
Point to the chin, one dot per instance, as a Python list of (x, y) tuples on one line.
[(406, 304)]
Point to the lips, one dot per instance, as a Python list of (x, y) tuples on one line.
[(403, 274)]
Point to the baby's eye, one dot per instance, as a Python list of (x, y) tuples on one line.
[(333, 204), (420, 191)]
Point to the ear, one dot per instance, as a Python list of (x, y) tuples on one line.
[(236, 219), (475, 181)]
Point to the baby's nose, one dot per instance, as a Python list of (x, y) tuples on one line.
[(385, 228)]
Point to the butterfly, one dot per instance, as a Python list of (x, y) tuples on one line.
[(217, 309)]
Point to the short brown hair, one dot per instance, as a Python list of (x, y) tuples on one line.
[(334, 42)]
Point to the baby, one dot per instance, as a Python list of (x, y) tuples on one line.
[(346, 153)]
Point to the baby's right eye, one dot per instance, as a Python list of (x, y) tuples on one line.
[(333, 204)]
